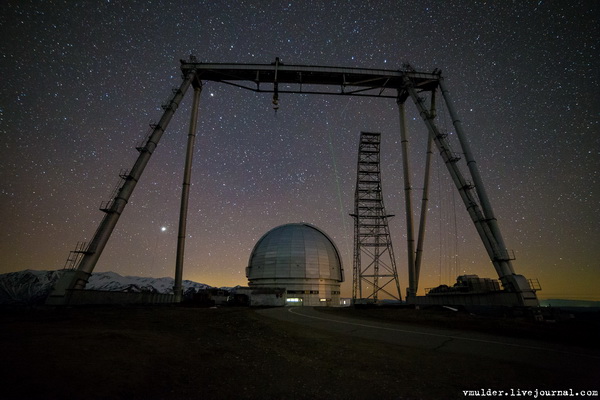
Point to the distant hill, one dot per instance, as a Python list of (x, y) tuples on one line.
[(33, 287)]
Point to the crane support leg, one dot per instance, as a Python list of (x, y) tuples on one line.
[(78, 279), (486, 206), (410, 241), (424, 200), (461, 184), (508, 277), (423, 218), (185, 194), (485, 224)]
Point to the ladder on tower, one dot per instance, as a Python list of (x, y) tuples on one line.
[(75, 255), (106, 206), (374, 265)]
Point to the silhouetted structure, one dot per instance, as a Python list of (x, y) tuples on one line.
[(278, 78), (374, 266)]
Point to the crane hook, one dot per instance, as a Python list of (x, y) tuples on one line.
[(275, 97)]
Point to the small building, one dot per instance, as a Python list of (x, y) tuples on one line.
[(300, 258), (209, 297), (259, 296), (468, 284)]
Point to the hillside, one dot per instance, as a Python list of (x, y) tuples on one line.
[(31, 287)]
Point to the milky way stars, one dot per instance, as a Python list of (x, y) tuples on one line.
[(81, 81)]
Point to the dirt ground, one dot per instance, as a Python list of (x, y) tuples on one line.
[(234, 353)]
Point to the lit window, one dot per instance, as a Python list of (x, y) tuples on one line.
[(294, 300)]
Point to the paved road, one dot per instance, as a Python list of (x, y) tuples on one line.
[(535, 353)]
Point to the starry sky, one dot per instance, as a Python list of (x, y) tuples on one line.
[(81, 81)]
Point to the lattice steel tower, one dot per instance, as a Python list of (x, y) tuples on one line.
[(374, 262)]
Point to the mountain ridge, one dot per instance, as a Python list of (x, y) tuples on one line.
[(30, 287)]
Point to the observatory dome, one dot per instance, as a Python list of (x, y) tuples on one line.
[(300, 258)]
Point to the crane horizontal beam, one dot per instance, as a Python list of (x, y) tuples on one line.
[(312, 79)]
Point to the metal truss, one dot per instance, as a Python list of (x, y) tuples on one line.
[(374, 266), (278, 78)]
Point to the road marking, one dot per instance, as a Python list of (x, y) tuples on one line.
[(291, 310)]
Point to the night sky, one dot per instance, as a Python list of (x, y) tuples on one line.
[(81, 81)]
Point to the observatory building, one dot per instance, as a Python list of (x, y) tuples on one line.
[(300, 258)]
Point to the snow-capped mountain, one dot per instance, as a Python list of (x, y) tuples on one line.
[(27, 287), (32, 287), (117, 283)]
